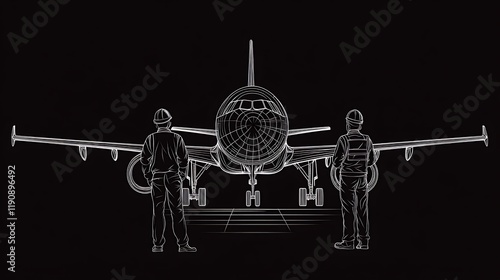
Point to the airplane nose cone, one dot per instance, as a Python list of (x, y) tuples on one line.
[(253, 127)]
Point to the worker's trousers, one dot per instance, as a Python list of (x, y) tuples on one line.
[(354, 200), (167, 189)]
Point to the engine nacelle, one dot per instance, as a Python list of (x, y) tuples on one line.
[(130, 177), (83, 152)]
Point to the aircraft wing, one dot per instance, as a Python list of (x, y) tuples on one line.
[(199, 154), (298, 131), (211, 132), (204, 131), (82, 145), (202, 154), (311, 153), (409, 145)]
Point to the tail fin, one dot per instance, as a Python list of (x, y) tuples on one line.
[(251, 78)]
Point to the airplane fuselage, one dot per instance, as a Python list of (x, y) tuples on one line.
[(251, 129)]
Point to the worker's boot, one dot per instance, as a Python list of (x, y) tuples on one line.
[(187, 249), (157, 249), (362, 244), (344, 245)]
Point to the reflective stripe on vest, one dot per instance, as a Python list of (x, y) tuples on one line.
[(358, 148)]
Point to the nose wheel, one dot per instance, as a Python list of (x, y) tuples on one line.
[(252, 197)]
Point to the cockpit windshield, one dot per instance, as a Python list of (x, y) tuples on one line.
[(245, 105), (259, 104)]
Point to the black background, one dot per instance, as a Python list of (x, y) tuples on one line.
[(441, 223)]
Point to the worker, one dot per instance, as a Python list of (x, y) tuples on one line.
[(164, 160), (353, 155)]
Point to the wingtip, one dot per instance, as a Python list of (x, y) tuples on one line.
[(485, 135), (13, 136)]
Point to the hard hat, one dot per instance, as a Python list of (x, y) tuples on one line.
[(162, 116), (354, 117)]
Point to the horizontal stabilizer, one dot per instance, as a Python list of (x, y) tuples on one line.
[(298, 131), (203, 131)]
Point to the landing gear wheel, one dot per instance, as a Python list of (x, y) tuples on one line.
[(257, 198), (185, 196), (302, 197), (248, 199), (320, 197), (202, 197)]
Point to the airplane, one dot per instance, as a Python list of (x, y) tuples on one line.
[(251, 128)]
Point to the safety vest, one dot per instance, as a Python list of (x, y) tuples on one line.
[(356, 158)]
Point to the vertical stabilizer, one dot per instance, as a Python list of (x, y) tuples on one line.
[(251, 78)]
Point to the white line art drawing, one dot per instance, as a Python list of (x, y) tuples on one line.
[(252, 128), (261, 220), (164, 160), (354, 155)]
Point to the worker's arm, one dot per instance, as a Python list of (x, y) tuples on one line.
[(182, 153), (371, 153), (339, 154), (145, 157)]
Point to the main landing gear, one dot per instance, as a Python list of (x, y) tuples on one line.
[(310, 171), (194, 174)]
